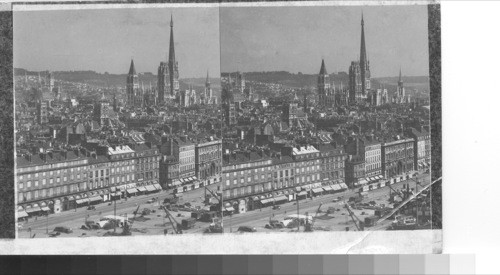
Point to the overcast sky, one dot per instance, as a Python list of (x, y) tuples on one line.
[(295, 39), (106, 40)]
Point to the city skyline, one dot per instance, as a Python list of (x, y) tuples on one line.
[(106, 40), (256, 39)]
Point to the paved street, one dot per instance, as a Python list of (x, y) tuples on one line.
[(309, 205), (256, 218), (122, 206)]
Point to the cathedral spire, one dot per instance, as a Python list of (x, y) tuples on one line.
[(362, 54), (171, 57), (323, 68), (132, 71), (400, 81), (208, 79)]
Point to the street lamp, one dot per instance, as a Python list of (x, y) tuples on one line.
[(47, 223)]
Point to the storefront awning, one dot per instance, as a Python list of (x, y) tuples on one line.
[(95, 198), (303, 193), (33, 209), (81, 201), (336, 187), (298, 189), (132, 190), (45, 208), (141, 189), (343, 185), (281, 198), (150, 188), (22, 214), (362, 181), (230, 208), (157, 186), (327, 188), (266, 201), (317, 190)]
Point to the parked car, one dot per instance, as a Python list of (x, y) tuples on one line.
[(246, 229), (276, 207), (63, 229), (150, 201), (91, 207), (54, 234)]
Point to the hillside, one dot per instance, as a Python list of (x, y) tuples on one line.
[(113, 80)]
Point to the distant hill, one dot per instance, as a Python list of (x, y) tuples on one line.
[(290, 80), (300, 80), (113, 80)]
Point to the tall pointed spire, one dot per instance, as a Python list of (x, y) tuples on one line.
[(208, 79), (400, 81), (362, 53), (171, 56), (323, 68), (132, 71)]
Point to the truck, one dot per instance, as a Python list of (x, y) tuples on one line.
[(208, 216), (197, 214), (370, 221), (188, 223), (171, 199)]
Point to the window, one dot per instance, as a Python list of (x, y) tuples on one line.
[(51, 181), (21, 185), (28, 184)]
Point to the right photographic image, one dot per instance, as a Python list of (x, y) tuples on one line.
[(326, 118)]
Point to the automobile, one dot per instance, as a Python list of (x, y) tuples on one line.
[(245, 228), (63, 229), (91, 207), (150, 201), (54, 234), (336, 200), (276, 207)]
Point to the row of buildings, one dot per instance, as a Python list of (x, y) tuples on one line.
[(59, 180), (252, 176)]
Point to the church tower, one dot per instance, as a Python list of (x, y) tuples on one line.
[(132, 85), (400, 90), (208, 90), (172, 64), (364, 64), (323, 83)]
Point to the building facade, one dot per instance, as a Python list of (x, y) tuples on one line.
[(208, 159), (354, 170), (397, 157)]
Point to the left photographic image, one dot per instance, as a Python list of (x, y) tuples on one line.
[(117, 121)]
